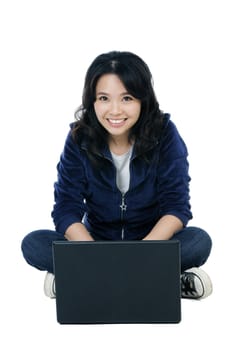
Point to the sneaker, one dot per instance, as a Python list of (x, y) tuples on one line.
[(49, 285), (195, 284)]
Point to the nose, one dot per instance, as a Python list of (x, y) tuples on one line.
[(115, 108)]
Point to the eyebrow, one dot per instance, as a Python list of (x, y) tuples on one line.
[(105, 93)]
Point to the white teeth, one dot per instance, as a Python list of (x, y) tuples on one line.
[(116, 121)]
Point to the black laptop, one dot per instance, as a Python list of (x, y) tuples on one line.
[(117, 282)]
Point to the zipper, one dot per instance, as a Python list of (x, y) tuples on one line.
[(123, 207)]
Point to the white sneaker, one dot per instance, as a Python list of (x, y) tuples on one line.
[(49, 285), (195, 284)]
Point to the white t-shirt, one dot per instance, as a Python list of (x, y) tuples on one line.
[(122, 164)]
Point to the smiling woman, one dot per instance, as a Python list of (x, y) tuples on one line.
[(123, 174), (120, 81)]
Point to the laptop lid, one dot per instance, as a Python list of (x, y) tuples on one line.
[(117, 282)]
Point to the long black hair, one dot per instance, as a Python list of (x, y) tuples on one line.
[(137, 79)]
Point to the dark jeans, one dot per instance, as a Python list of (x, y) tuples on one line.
[(195, 247)]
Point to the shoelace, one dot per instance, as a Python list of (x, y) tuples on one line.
[(188, 286)]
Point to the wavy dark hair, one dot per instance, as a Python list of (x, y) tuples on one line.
[(137, 79)]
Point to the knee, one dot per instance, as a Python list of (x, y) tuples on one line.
[(201, 247), (29, 244), (205, 242), (35, 245), (37, 248), (196, 246)]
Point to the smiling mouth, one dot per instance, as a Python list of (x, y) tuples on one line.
[(116, 122)]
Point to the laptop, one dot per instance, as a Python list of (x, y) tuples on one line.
[(113, 282)]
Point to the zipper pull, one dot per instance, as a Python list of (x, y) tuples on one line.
[(123, 206)]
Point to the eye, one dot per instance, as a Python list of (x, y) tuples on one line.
[(127, 98), (103, 98)]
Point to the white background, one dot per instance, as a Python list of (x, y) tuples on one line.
[(46, 47)]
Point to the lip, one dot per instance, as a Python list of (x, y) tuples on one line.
[(116, 123)]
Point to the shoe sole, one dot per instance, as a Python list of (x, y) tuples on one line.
[(48, 285)]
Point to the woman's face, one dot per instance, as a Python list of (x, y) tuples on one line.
[(116, 109)]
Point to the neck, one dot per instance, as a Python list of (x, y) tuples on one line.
[(119, 145)]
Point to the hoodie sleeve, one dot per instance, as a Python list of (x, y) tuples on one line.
[(173, 176), (69, 189)]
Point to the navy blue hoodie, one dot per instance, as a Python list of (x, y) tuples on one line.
[(157, 188)]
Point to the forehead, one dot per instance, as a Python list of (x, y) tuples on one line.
[(109, 82)]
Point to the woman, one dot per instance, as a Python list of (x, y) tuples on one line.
[(123, 174)]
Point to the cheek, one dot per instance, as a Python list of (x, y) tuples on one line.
[(99, 110), (139, 111), (136, 112)]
